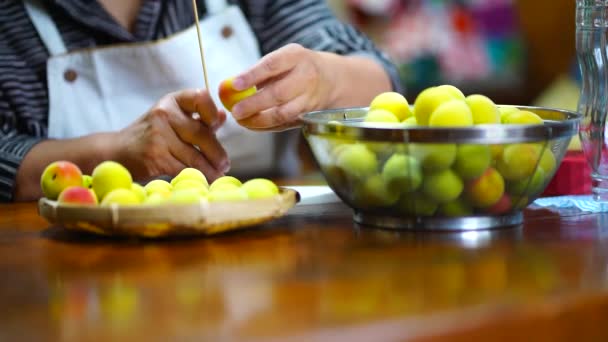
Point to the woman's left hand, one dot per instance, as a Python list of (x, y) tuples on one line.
[(290, 81)]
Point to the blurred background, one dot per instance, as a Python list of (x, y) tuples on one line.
[(515, 51)]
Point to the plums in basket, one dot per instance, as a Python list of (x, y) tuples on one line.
[(225, 180), (410, 122), (186, 196), (158, 186), (227, 194), (191, 184), (192, 174), (157, 198), (109, 176), (120, 196), (259, 188), (87, 181), (58, 176), (77, 195), (139, 191)]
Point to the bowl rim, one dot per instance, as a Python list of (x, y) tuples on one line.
[(347, 123)]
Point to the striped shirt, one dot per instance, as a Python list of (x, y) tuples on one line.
[(82, 24)]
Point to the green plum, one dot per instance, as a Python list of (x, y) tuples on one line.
[(402, 172), (472, 160), (394, 103), (454, 113), (374, 192), (518, 161), (259, 188), (434, 157), (429, 100), (109, 176), (530, 186), (190, 174), (417, 204), (456, 208), (357, 161), (442, 186), (381, 116), (483, 109)]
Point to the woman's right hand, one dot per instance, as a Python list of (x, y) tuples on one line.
[(170, 137)]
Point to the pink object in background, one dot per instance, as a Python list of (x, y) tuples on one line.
[(572, 178)]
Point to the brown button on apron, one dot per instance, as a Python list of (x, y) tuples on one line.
[(70, 75), (227, 32)]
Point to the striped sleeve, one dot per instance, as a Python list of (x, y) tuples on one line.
[(312, 24), (13, 148), (23, 96)]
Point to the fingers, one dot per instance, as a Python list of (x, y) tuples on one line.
[(197, 101), (271, 65), (221, 119), (212, 149), (211, 154), (184, 154), (281, 91), (277, 118), (181, 133), (191, 157), (173, 165)]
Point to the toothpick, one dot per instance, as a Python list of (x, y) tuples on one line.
[(200, 44)]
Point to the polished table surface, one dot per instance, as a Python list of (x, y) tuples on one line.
[(313, 275)]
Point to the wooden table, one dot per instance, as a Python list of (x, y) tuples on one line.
[(308, 277)]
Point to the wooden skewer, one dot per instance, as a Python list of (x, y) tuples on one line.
[(200, 44)]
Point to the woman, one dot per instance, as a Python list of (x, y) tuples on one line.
[(88, 81)]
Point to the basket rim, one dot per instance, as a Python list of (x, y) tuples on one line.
[(347, 123)]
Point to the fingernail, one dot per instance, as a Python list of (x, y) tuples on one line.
[(237, 112), (239, 84), (226, 166)]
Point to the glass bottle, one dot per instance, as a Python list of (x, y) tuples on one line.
[(592, 55)]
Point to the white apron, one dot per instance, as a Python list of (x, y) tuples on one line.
[(107, 88)]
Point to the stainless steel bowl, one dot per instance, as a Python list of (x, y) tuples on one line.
[(372, 193)]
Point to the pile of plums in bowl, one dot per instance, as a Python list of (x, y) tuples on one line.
[(447, 162)]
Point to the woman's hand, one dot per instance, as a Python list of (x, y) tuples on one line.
[(170, 137), (290, 81), (294, 80)]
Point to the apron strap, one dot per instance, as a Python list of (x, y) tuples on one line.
[(47, 30), (216, 6)]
